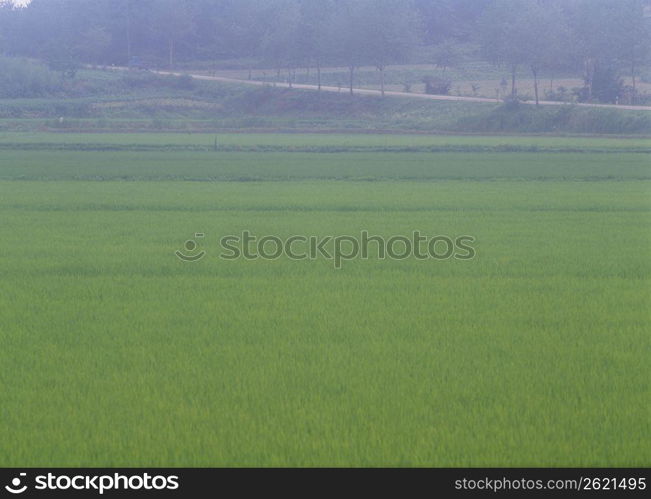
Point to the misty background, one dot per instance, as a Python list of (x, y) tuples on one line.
[(603, 42)]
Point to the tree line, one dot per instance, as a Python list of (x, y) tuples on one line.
[(601, 39)]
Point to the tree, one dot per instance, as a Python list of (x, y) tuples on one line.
[(633, 36), (6, 9), (240, 26), (503, 36), (607, 36), (280, 42), (445, 55), (312, 35), (540, 35), (347, 41), (607, 86), (453, 20), (544, 35), (592, 32), (173, 23), (390, 30), (94, 42)]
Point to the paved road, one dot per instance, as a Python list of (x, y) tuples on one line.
[(364, 91)]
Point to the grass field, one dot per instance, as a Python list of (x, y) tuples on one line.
[(115, 353)]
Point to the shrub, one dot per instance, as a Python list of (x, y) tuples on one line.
[(607, 87), (561, 94), (21, 78), (185, 82), (515, 117), (136, 79), (437, 86)]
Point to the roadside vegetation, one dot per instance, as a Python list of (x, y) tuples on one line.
[(104, 100)]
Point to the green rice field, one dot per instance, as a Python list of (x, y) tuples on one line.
[(113, 352)]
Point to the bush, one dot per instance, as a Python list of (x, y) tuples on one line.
[(511, 104), (185, 82), (136, 79), (133, 80), (22, 78), (561, 94), (437, 86), (518, 118), (607, 87), (67, 67)]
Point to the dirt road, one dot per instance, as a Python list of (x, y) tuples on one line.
[(363, 91)]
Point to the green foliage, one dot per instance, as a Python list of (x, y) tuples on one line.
[(20, 78), (437, 86), (282, 33), (66, 66), (130, 100), (185, 82), (519, 118), (607, 86), (446, 55), (145, 80)]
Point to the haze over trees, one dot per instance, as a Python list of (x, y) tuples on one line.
[(601, 40)]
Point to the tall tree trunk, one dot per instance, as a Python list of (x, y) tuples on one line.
[(633, 67), (633, 96), (590, 70), (128, 32), (352, 79), (534, 70)]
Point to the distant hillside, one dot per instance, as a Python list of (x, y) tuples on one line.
[(140, 101)]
